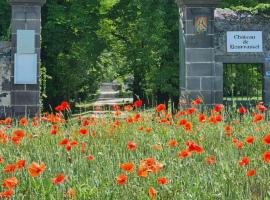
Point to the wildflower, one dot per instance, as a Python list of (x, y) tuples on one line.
[(210, 160), (183, 154), (251, 172), (257, 117), (20, 164), (162, 180), (266, 156), (121, 179), (6, 194), (10, 182), (90, 157), (10, 168), (152, 192), (58, 179), (83, 131), (266, 139), (148, 130), (160, 107), (242, 110), (218, 108), (172, 143), (71, 193), (131, 145), (244, 161), (250, 140), (137, 103), (197, 101), (128, 167), (23, 121), (35, 169), (201, 118)]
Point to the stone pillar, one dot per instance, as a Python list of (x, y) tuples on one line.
[(266, 81), (26, 15), (198, 70), (5, 74)]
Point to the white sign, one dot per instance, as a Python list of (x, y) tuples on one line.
[(25, 69), (244, 41)]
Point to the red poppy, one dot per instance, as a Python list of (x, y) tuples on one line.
[(162, 180), (257, 117), (36, 169), (242, 110), (182, 122), (210, 160), (71, 193), (183, 154), (121, 179), (58, 179), (83, 131), (20, 164), (201, 118), (251, 172), (266, 139), (138, 103), (128, 167), (18, 133), (190, 111), (6, 194), (23, 121), (250, 140), (10, 182), (152, 192), (197, 101), (131, 145), (148, 130), (261, 107), (192, 147), (266, 156), (218, 108), (160, 107), (65, 141), (239, 145), (10, 168), (172, 143), (188, 126), (90, 157), (244, 161)]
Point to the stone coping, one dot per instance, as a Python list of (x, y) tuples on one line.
[(198, 2), (30, 2)]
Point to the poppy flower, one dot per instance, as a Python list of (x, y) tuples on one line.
[(218, 108), (90, 157), (242, 110), (2, 160), (244, 161), (71, 193), (157, 147), (58, 179), (18, 133), (128, 108), (239, 145), (137, 103), (160, 107), (65, 141), (83, 131), (197, 101), (250, 140), (121, 179), (10, 182), (210, 160), (10, 168), (20, 164), (152, 192), (261, 107), (172, 143), (266, 139), (148, 130), (257, 118), (162, 180), (128, 167), (266, 156), (131, 146), (201, 118), (36, 169), (183, 154), (188, 126), (251, 172), (6, 194), (23, 121), (192, 147)]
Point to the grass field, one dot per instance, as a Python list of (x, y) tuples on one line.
[(191, 155)]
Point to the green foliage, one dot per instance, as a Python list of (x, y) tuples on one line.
[(5, 14)]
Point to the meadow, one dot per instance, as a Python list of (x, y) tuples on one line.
[(134, 154)]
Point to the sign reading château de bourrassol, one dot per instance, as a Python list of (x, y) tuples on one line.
[(244, 41)]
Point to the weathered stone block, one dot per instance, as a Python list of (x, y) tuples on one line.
[(199, 55), (25, 98), (200, 69), (193, 83), (199, 41)]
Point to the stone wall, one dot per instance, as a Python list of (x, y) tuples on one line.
[(5, 74)]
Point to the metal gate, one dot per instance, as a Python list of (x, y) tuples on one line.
[(242, 84)]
